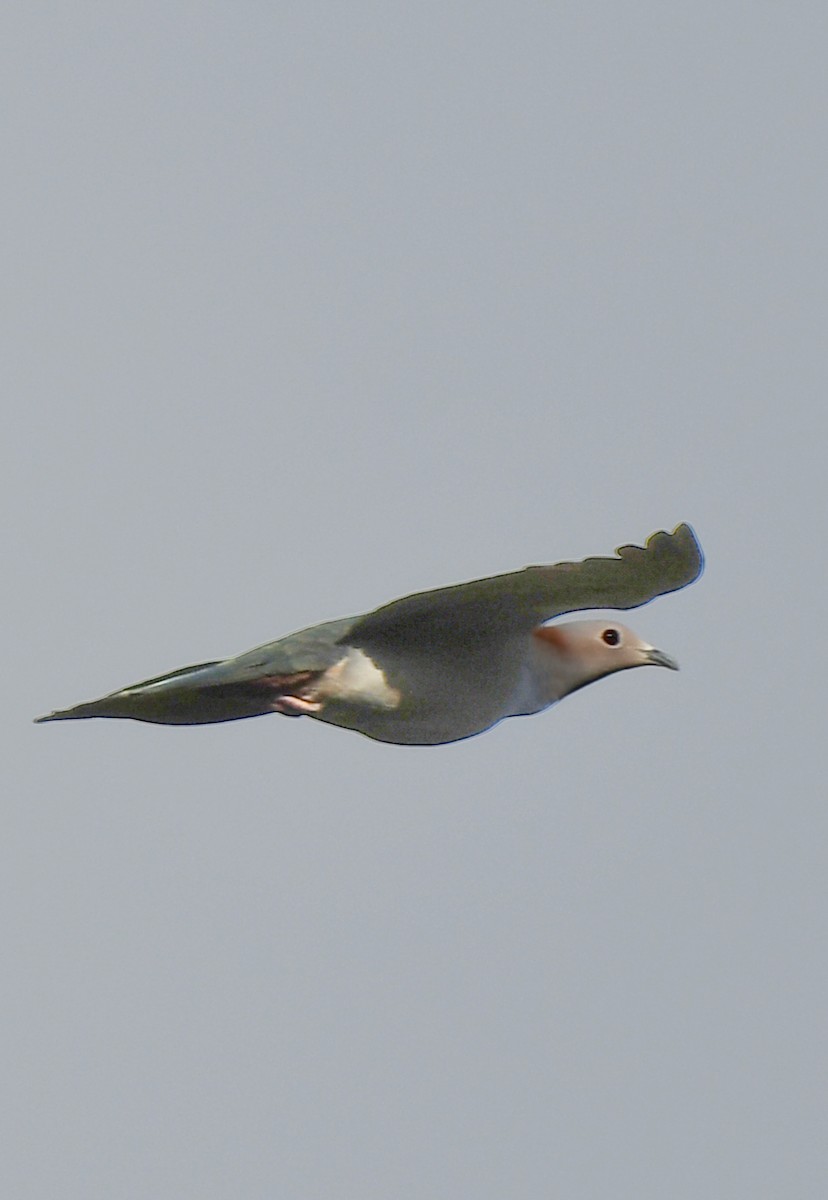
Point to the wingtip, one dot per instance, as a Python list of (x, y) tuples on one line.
[(687, 533), (677, 555), (682, 539)]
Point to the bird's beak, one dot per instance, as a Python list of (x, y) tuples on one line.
[(657, 658)]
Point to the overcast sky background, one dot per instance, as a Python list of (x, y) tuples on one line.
[(307, 306)]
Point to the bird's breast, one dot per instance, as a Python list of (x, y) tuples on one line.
[(540, 680)]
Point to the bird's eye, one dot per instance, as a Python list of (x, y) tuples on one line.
[(611, 636)]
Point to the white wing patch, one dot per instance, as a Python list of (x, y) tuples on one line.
[(358, 680)]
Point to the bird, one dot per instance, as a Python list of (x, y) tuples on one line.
[(436, 666)]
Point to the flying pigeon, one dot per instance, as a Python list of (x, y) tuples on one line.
[(436, 666)]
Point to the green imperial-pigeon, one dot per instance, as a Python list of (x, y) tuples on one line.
[(436, 666)]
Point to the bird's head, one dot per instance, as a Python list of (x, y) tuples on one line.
[(587, 650)]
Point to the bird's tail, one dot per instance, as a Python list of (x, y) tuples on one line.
[(198, 695)]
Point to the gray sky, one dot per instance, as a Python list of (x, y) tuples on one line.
[(308, 306)]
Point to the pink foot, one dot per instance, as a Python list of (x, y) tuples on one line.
[(295, 706)]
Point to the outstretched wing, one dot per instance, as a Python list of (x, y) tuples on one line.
[(503, 605)]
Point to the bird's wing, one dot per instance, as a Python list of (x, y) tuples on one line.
[(504, 605), (310, 650)]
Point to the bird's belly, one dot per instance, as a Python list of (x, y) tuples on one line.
[(421, 700)]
